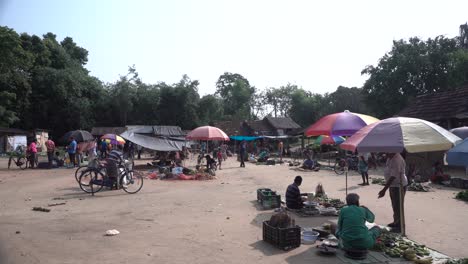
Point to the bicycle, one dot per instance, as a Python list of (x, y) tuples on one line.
[(19, 160), (351, 162), (92, 180)]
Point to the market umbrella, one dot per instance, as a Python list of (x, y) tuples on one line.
[(339, 124), (397, 134), (78, 135), (207, 133), (113, 139), (458, 155), (327, 140), (461, 132), (401, 133)]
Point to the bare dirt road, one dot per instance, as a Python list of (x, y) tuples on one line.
[(190, 221)]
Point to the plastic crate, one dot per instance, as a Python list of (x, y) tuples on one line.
[(282, 238), (269, 199), (259, 192), (271, 202)]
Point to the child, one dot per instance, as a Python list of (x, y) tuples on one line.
[(220, 157), (363, 168)]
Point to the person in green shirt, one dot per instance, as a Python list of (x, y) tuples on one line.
[(352, 229)]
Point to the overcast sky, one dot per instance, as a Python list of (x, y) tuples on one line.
[(318, 45)]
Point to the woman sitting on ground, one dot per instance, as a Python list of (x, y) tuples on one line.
[(438, 175), (263, 156), (351, 229)]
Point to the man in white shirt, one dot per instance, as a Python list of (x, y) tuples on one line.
[(394, 174)]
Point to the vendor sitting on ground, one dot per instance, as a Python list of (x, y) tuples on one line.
[(294, 199), (309, 164), (210, 162), (351, 229), (263, 156), (438, 175)]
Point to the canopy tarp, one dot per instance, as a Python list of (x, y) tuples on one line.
[(280, 137), (246, 138), (157, 130), (154, 143)]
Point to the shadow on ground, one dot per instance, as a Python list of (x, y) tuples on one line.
[(266, 248)]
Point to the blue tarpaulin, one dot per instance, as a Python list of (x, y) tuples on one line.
[(246, 138), (458, 155)]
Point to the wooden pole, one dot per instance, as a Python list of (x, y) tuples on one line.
[(402, 209), (346, 173)]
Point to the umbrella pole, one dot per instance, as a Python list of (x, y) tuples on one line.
[(346, 173), (402, 210)]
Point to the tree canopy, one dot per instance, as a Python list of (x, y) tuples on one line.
[(44, 84)]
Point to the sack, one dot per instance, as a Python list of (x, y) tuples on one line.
[(280, 220)]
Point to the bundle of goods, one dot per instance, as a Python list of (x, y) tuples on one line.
[(418, 187), (393, 245), (282, 232)]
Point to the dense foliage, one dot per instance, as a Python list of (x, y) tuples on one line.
[(44, 84)]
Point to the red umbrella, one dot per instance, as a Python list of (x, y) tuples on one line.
[(207, 133)]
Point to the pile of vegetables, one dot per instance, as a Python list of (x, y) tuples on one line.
[(330, 202), (463, 195), (418, 187), (393, 245), (457, 261), (380, 181)]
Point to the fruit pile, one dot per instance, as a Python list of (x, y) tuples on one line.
[(395, 246)]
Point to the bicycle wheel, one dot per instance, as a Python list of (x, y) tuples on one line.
[(339, 167), (131, 181), (91, 181), (22, 163), (78, 172)]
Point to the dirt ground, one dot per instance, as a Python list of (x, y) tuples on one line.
[(191, 221)]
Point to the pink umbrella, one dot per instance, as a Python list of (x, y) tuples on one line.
[(207, 133)]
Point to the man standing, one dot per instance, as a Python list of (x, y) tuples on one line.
[(242, 153), (395, 177), (280, 150), (103, 148), (71, 149), (139, 149), (293, 194), (50, 145), (32, 153)]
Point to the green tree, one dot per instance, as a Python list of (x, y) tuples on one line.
[(411, 68), (279, 99), (237, 95), (14, 77), (307, 107), (210, 109), (345, 98), (178, 104)]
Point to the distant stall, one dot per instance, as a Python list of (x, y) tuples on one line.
[(11, 138)]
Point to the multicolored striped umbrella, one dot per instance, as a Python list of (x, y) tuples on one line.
[(401, 133), (340, 124), (327, 140), (113, 139)]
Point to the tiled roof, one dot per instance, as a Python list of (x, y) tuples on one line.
[(282, 122), (231, 128), (439, 106)]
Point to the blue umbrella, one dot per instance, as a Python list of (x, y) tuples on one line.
[(461, 132), (458, 155)]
